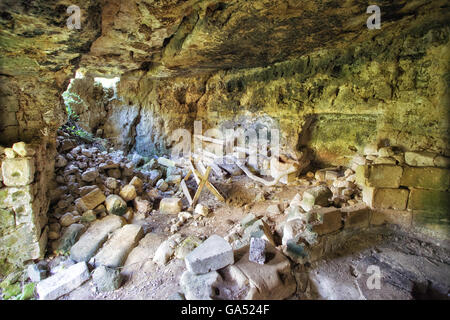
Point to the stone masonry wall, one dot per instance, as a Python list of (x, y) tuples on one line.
[(417, 188), (25, 174)]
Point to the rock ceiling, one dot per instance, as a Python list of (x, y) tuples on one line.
[(177, 37)]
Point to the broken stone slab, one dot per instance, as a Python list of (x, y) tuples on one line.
[(319, 195), (213, 254), (379, 175), (257, 250), (115, 205), (426, 178), (200, 286), (115, 251), (94, 237), (170, 206), (18, 171), (327, 220), (90, 200), (272, 280), (63, 282), (106, 279)]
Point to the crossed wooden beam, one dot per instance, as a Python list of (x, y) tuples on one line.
[(202, 180)]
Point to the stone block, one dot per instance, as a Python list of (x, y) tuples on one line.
[(319, 195), (420, 159), (115, 251), (94, 237), (257, 250), (16, 196), (386, 198), (356, 216), (213, 254), (388, 216), (170, 206), (380, 175), (91, 200), (426, 178), (200, 286), (327, 220), (106, 279), (69, 237), (18, 172), (429, 200), (63, 282)]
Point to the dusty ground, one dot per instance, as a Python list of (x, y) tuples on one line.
[(411, 267)]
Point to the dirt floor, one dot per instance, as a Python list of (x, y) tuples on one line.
[(410, 267)]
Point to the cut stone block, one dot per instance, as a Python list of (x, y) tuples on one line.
[(200, 286), (426, 178), (356, 216), (319, 195), (330, 220), (429, 200), (170, 206), (94, 237), (213, 254), (91, 200), (63, 282), (380, 175), (433, 223), (420, 159), (115, 205), (115, 251), (257, 250), (386, 198), (272, 280), (18, 172)]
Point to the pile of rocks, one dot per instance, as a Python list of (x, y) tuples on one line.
[(91, 184)]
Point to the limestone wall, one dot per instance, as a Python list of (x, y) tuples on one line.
[(416, 192), (25, 173)]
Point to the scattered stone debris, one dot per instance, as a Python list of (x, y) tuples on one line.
[(106, 279)]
